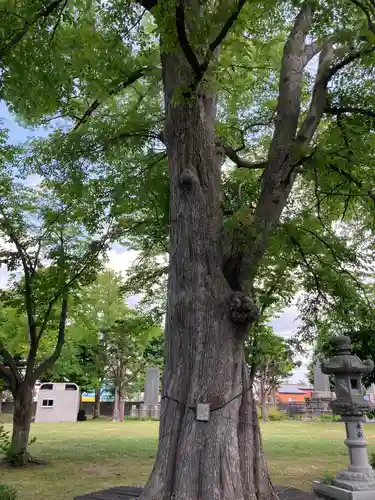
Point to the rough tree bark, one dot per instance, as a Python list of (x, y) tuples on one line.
[(22, 414), (119, 403), (264, 401), (265, 416), (208, 312), (96, 412), (205, 356), (121, 407), (116, 409)]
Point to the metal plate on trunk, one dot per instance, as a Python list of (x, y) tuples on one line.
[(203, 412)]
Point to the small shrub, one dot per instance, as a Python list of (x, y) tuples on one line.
[(142, 419), (276, 415), (5, 440), (297, 417), (327, 478), (372, 461), (7, 493), (329, 418)]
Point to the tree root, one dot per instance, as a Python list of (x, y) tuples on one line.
[(22, 461)]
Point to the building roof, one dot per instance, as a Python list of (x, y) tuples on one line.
[(289, 390)]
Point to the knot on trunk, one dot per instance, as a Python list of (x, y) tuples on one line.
[(188, 178), (243, 311)]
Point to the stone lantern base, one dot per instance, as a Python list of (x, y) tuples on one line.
[(332, 492)]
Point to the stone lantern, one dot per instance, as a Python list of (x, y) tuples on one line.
[(357, 482)]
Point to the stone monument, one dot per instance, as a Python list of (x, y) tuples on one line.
[(321, 396), (151, 407), (357, 482)]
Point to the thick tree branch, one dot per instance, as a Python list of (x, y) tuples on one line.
[(42, 14), (309, 267), (58, 21), (184, 41), (140, 133), (319, 97), (353, 56), (367, 12), (291, 75), (325, 73), (201, 68), (323, 241), (9, 361), (349, 177), (42, 236), (63, 316), (49, 362), (87, 259), (287, 147), (115, 90), (312, 50), (6, 374), (223, 33), (27, 267), (281, 169), (341, 110), (148, 4), (241, 162)]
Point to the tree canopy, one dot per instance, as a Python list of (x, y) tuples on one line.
[(234, 136), (98, 79)]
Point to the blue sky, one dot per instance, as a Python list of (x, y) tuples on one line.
[(120, 259), (17, 133)]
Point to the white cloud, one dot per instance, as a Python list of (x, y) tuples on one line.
[(120, 259), (286, 325), (287, 322), (3, 277)]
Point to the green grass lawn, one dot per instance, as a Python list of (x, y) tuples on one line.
[(93, 455)]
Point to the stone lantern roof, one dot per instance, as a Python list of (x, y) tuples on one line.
[(345, 361)]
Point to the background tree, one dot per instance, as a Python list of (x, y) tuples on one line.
[(270, 360), (49, 252), (237, 83), (363, 347), (96, 308), (155, 351), (107, 343), (77, 364), (126, 344)]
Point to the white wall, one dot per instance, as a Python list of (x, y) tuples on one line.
[(65, 404)]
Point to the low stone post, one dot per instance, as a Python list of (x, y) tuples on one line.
[(134, 411), (144, 411), (357, 482)]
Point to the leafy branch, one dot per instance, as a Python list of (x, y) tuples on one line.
[(341, 110), (198, 68), (28, 24), (113, 91)]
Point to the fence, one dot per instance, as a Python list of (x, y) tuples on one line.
[(106, 409)]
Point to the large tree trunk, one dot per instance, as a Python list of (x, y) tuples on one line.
[(96, 413), (116, 407), (274, 397), (220, 459), (121, 408), (265, 417), (263, 400), (22, 415)]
